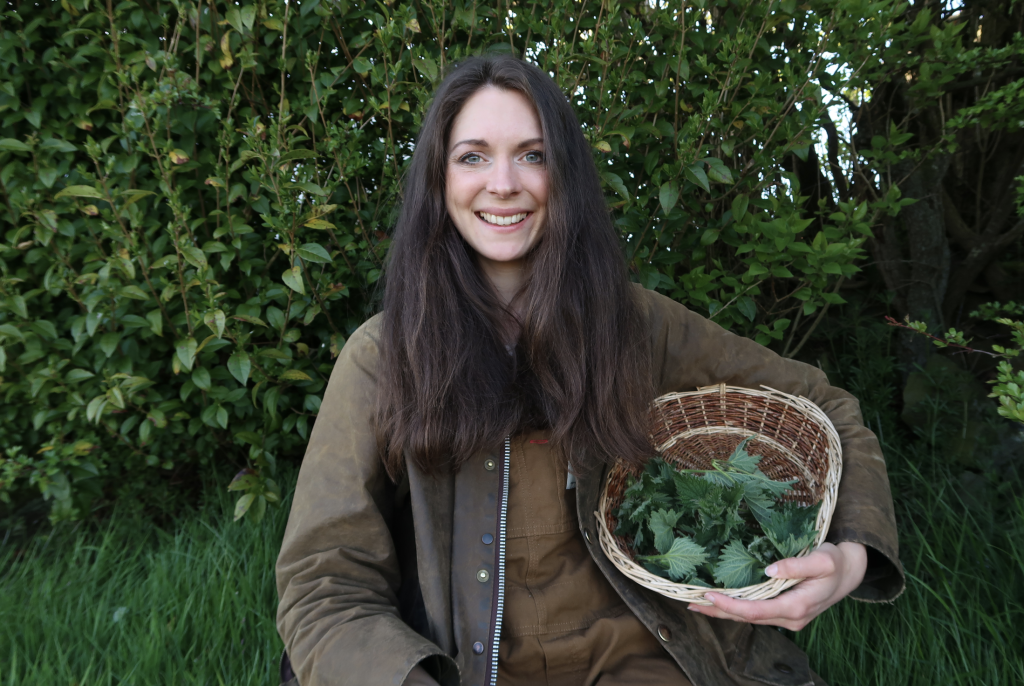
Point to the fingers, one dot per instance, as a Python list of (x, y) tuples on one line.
[(820, 563), (714, 611)]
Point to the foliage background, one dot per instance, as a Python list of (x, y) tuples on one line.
[(197, 194)]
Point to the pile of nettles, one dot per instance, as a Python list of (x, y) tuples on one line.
[(717, 527)]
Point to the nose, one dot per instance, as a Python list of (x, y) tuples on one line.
[(504, 178)]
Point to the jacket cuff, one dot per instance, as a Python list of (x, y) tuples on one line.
[(442, 669), (884, 579)]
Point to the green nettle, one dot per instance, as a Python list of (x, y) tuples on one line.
[(196, 199), (713, 527)]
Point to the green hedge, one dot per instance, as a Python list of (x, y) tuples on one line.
[(196, 199)]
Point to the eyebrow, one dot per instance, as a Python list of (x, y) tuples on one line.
[(479, 142)]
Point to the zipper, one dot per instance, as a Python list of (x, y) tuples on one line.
[(499, 566)]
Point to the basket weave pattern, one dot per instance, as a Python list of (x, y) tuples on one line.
[(689, 430)]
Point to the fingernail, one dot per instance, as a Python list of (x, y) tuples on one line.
[(709, 597), (692, 608), (771, 570)]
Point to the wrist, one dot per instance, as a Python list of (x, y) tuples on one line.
[(855, 564)]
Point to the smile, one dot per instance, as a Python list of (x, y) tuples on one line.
[(503, 221)]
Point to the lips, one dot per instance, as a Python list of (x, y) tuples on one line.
[(503, 220)]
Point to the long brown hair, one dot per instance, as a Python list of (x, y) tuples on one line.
[(447, 385)]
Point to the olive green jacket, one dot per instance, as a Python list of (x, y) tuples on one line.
[(375, 577)]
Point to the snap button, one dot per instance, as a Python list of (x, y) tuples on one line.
[(586, 535), (487, 539), (664, 634), (783, 668), (478, 648), (483, 575), (490, 464)]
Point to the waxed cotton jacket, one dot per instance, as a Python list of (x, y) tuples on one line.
[(375, 577)]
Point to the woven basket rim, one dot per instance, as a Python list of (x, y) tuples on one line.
[(799, 408)]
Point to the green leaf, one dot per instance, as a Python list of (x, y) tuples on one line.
[(194, 256), (134, 292), (248, 16), (201, 378), (293, 279), (668, 196), (239, 366), (94, 410), (222, 417), (79, 192), (297, 155), (156, 322), (76, 375), (134, 195), (216, 320), (308, 187), (252, 320), (319, 224), (615, 181), (695, 174), (17, 303), (736, 567), (13, 145), (741, 460), (295, 375), (250, 437), (739, 207), (662, 524), (717, 171), (682, 558), (243, 505), (791, 528), (747, 307), (362, 66), (11, 331), (109, 341), (185, 351), (314, 252)]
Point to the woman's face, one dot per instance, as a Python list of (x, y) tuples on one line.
[(497, 181)]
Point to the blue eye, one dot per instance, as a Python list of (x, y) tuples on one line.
[(470, 158), (534, 157)]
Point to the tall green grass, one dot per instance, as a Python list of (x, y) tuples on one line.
[(961, 619), (131, 603)]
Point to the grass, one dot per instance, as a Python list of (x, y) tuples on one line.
[(131, 603)]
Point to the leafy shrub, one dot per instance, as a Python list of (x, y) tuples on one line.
[(197, 195)]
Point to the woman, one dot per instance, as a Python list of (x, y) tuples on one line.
[(443, 527)]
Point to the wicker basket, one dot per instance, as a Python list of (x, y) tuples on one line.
[(793, 435)]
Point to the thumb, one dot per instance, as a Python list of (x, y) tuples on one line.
[(818, 564)]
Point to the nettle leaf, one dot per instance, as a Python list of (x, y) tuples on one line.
[(743, 461), (662, 524), (791, 528), (736, 567), (682, 558)]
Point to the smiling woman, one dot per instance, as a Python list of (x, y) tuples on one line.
[(443, 525)]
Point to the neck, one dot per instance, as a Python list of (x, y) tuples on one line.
[(506, 277)]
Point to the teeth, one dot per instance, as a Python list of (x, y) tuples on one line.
[(503, 221)]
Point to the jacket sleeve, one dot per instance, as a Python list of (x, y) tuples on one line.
[(338, 572), (690, 352)]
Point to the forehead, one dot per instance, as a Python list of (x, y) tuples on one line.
[(496, 116)]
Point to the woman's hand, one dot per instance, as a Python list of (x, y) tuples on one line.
[(829, 574)]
